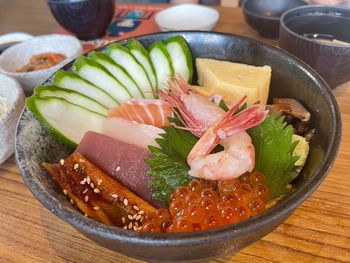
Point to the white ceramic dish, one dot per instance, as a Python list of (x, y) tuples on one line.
[(19, 55), (187, 17), (14, 37), (12, 91)]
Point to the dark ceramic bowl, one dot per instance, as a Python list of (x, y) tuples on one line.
[(87, 19), (290, 78), (330, 60), (264, 15)]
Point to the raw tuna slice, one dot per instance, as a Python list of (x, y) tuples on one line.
[(148, 111), (122, 161)]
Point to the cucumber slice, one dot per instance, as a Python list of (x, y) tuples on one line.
[(181, 58), (118, 72), (66, 121), (124, 58), (72, 81), (71, 96), (99, 75), (142, 56), (162, 63)]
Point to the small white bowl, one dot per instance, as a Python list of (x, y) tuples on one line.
[(18, 55), (187, 17), (13, 38), (11, 90)]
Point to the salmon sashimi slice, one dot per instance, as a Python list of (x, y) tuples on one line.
[(146, 111)]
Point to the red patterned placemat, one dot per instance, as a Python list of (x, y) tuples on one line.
[(130, 20)]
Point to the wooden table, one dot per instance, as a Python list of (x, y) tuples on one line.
[(319, 230)]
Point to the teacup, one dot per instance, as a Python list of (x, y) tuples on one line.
[(87, 19)]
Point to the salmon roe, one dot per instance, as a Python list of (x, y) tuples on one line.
[(203, 205)]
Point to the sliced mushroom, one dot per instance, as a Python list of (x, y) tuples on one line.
[(292, 107)]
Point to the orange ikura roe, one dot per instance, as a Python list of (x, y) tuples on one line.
[(203, 205)]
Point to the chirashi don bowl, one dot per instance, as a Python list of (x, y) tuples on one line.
[(290, 78)]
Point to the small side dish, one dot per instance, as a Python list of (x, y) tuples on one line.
[(154, 153), (33, 61), (42, 61), (180, 17)]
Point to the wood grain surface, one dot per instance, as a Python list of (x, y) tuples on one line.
[(319, 230)]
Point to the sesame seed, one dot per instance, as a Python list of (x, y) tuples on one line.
[(97, 191), (135, 228), (130, 225), (117, 169), (126, 202), (141, 219), (115, 196), (65, 192), (88, 179), (136, 224), (141, 212), (123, 220), (96, 208), (76, 166), (134, 216), (130, 217), (86, 214), (81, 160), (136, 208), (99, 182), (138, 217), (82, 182), (86, 189), (86, 199), (71, 201), (125, 227), (92, 185), (62, 162)]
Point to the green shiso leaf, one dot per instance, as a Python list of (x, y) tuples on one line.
[(224, 107), (168, 164), (274, 148)]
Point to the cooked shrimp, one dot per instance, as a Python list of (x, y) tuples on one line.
[(198, 113), (215, 126), (237, 158), (238, 155)]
